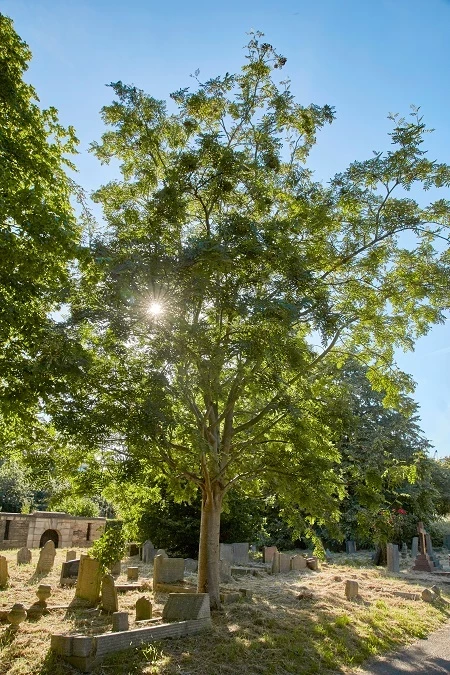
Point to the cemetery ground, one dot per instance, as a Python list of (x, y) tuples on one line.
[(298, 622)]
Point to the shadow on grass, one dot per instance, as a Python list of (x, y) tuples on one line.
[(7, 636)]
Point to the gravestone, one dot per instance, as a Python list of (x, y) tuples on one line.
[(120, 621), (226, 553), (447, 541), (148, 552), (276, 563), (116, 569), (350, 546), (71, 555), (351, 589), (186, 606), (89, 580), (393, 559), (284, 562), (190, 565), (404, 551), (162, 552), (431, 552), (423, 562), (268, 553), (167, 570), (298, 562), (110, 602), (24, 556), (143, 609), (312, 563), (133, 549), (46, 558), (132, 573), (414, 547), (240, 553), (69, 572), (225, 571), (3, 571)]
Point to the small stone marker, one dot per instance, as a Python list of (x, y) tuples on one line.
[(69, 572), (132, 573), (268, 553), (414, 547), (24, 556), (350, 546), (351, 589), (119, 621), (393, 559), (148, 552), (186, 606), (190, 565), (225, 571), (46, 558), (89, 580), (71, 555), (3, 571), (110, 602), (167, 570), (143, 609), (428, 596), (298, 562)]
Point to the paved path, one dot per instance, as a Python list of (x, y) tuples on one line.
[(430, 656)]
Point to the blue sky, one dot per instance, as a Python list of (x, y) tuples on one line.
[(365, 57)]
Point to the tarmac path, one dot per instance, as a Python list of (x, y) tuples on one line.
[(430, 656)]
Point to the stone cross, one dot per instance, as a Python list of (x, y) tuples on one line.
[(422, 538), (110, 601), (46, 558)]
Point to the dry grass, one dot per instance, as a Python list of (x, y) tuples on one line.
[(275, 632)]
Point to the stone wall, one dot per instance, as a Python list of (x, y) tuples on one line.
[(27, 529)]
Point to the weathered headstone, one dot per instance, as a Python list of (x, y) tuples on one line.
[(69, 572), (298, 562), (226, 553), (351, 589), (393, 559), (71, 555), (110, 601), (120, 621), (312, 563), (186, 606), (89, 579), (148, 552), (404, 551), (143, 609), (350, 546), (167, 570), (132, 573), (225, 571), (24, 556), (133, 549), (423, 562), (190, 565), (3, 571), (414, 547), (116, 569), (162, 552), (240, 553), (46, 558), (276, 563), (284, 562), (268, 553)]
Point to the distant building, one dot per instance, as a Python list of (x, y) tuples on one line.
[(34, 529)]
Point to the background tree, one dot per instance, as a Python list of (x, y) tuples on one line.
[(223, 263)]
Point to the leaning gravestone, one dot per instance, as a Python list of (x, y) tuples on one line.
[(89, 580), (186, 606), (167, 570), (148, 552), (46, 558), (3, 571), (393, 559), (143, 609), (71, 555), (110, 602), (23, 556), (414, 547)]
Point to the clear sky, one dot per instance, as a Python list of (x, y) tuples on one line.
[(365, 57)]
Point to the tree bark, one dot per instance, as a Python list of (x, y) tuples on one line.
[(209, 553)]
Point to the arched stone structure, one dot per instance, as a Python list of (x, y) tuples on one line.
[(50, 535)]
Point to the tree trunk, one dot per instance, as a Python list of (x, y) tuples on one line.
[(209, 554)]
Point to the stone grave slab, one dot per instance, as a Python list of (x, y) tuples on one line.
[(284, 562), (116, 569), (71, 555), (69, 572), (24, 556), (298, 562), (240, 553), (393, 558), (120, 621), (167, 570), (225, 571), (226, 553), (132, 573), (89, 580), (351, 589), (143, 609), (133, 549), (46, 558), (148, 551), (268, 553), (110, 601), (162, 552), (350, 546), (414, 547), (190, 565), (185, 606)]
